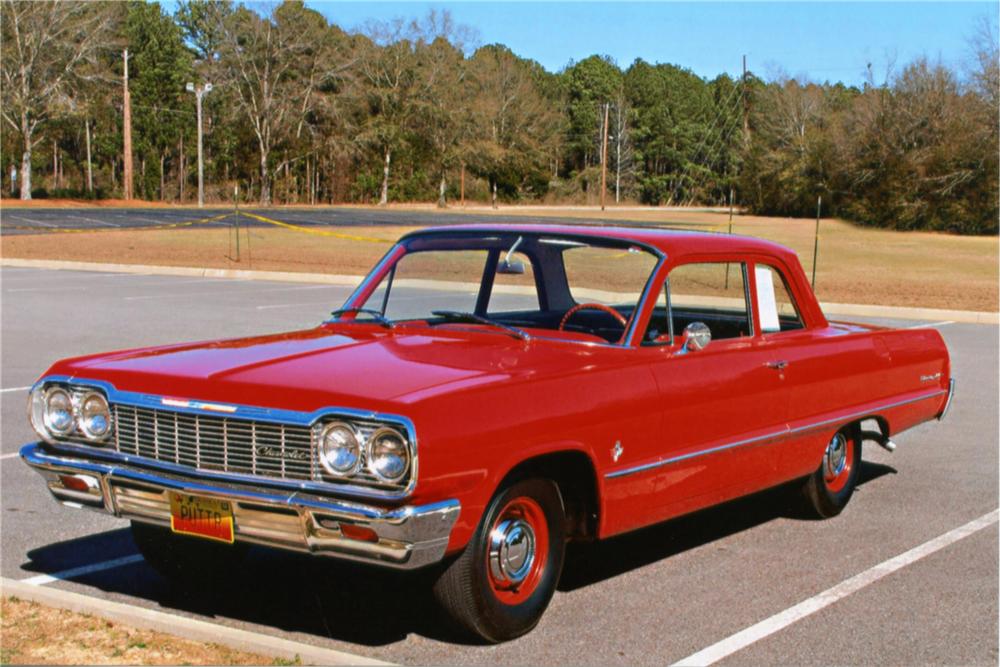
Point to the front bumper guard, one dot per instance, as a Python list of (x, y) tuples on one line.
[(407, 537)]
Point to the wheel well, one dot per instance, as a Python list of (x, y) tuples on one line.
[(574, 474)]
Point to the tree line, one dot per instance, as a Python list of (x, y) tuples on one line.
[(302, 111)]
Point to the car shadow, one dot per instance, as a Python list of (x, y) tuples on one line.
[(590, 563), (324, 598)]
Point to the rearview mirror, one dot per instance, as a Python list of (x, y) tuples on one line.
[(509, 267), (696, 337)]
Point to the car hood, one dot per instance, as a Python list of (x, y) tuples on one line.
[(358, 366)]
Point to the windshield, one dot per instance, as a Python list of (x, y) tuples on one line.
[(535, 283)]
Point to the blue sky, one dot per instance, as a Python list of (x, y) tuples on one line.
[(822, 40)]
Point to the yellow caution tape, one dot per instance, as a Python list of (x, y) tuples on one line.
[(310, 230)]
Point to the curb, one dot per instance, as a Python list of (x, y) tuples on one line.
[(848, 309), (188, 628)]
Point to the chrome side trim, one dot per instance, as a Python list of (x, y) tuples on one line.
[(947, 403), (249, 412), (777, 435), (408, 537)]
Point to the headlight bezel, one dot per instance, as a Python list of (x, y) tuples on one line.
[(39, 413), (365, 473)]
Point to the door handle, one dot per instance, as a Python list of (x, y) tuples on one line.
[(778, 365)]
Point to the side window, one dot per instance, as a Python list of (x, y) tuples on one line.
[(777, 308), (713, 293)]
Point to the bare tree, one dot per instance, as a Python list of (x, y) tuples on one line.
[(47, 48), (513, 120), (274, 61), (621, 143), (985, 71), (444, 89), (388, 67)]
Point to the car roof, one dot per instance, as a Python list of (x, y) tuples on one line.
[(674, 243)]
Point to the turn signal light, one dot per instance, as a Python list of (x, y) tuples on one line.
[(360, 533)]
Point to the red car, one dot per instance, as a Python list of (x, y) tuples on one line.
[(487, 394)]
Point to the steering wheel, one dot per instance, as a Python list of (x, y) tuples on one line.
[(592, 306)]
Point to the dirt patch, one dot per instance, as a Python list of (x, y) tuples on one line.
[(855, 265), (34, 634)]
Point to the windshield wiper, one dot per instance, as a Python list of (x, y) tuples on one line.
[(377, 316), (456, 316)]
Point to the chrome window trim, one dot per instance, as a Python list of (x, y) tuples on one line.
[(248, 412), (777, 435)]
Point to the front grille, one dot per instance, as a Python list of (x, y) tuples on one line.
[(225, 444), (216, 443)]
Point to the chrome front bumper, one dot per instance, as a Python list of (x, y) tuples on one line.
[(407, 537)]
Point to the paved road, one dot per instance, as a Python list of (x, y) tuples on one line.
[(41, 220), (651, 597)]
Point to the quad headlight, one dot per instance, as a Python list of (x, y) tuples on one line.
[(94, 416), (339, 449), (59, 412), (388, 455)]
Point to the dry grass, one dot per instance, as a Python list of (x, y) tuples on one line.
[(34, 634), (856, 265)]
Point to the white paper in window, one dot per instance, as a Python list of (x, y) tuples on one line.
[(766, 303)]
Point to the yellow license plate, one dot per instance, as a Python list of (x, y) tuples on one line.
[(204, 517)]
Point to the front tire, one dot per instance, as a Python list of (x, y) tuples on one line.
[(829, 489), (498, 588), (187, 560)]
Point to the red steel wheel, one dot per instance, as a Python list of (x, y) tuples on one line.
[(838, 462), (829, 489), (500, 585), (518, 550)]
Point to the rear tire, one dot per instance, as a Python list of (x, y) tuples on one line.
[(829, 489), (498, 588), (187, 560)]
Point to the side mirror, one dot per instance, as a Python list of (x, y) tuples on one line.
[(509, 267), (696, 337)]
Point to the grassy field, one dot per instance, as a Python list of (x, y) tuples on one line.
[(34, 634), (855, 265)]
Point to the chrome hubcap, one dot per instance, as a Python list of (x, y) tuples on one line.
[(512, 551), (836, 455)]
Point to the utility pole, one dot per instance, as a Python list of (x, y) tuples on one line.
[(127, 134), (462, 187), (819, 208), (604, 155), (90, 169), (198, 94), (746, 105)]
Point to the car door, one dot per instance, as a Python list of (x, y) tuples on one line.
[(723, 407)]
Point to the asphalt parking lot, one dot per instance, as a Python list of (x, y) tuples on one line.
[(653, 597), (45, 220)]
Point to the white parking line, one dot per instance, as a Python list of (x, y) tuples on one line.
[(783, 619), (37, 222), (42, 579), (8, 456), (293, 305), (146, 297), (10, 389), (932, 324)]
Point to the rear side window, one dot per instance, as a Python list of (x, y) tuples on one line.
[(774, 301)]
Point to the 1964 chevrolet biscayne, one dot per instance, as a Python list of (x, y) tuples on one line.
[(485, 395)]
